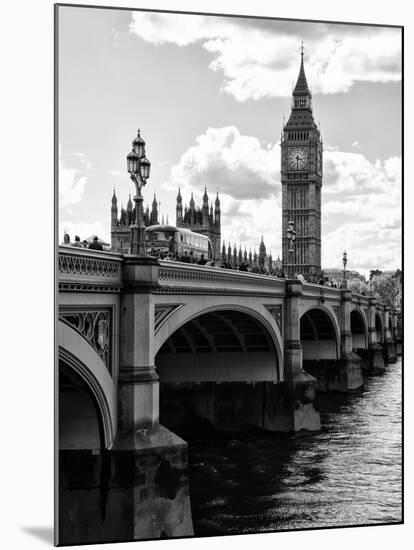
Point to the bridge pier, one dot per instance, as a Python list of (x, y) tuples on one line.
[(299, 386), (156, 459), (390, 352), (372, 359), (398, 333)]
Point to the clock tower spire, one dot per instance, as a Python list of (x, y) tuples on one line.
[(301, 176)]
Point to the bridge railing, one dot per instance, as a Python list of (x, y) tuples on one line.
[(84, 269), (178, 277), (321, 291)]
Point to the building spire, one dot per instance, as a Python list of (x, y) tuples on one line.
[(301, 87)]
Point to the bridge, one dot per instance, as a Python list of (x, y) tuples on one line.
[(150, 350)]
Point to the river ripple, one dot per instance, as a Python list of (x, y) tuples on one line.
[(349, 474)]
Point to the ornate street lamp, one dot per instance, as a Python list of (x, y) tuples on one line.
[(138, 167), (344, 261), (291, 237)]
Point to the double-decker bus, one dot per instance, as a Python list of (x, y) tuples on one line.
[(162, 240)]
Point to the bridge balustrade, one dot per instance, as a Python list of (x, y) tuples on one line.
[(83, 269)]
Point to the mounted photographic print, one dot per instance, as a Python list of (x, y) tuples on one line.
[(229, 271)]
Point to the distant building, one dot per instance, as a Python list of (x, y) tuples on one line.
[(337, 275), (120, 225), (260, 261), (204, 220)]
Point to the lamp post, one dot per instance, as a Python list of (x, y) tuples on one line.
[(139, 169), (291, 237), (344, 261)]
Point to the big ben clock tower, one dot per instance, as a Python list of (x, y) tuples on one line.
[(301, 175)]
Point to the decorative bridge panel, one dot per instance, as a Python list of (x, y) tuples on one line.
[(96, 327), (177, 278), (162, 312), (88, 271)]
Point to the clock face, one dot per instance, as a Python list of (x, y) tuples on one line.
[(297, 159)]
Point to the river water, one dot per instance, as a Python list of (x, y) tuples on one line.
[(349, 474)]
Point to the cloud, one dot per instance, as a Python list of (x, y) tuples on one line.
[(245, 172), (361, 211), (234, 164), (260, 59), (72, 181)]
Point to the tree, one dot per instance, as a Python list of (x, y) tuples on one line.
[(374, 273), (357, 286), (386, 289)]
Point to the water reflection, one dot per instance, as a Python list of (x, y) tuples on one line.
[(348, 474)]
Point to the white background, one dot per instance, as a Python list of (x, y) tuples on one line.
[(26, 172)]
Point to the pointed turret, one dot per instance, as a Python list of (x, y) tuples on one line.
[(129, 204), (114, 210), (217, 211), (302, 87), (192, 210), (240, 256), (206, 217), (301, 95), (154, 211), (262, 253), (179, 209), (223, 252)]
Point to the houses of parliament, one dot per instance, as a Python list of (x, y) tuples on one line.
[(301, 179), (204, 220)]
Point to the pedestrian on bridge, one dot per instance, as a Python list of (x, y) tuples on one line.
[(95, 245)]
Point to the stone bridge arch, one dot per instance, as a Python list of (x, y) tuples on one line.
[(359, 328), (81, 368), (319, 333), (184, 314), (218, 366)]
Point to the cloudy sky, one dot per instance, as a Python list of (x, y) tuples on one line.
[(209, 94)]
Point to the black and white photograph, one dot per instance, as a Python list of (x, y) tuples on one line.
[(229, 286)]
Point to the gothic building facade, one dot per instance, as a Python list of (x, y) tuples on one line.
[(301, 176), (120, 230), (204, 220), (262, 262)]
